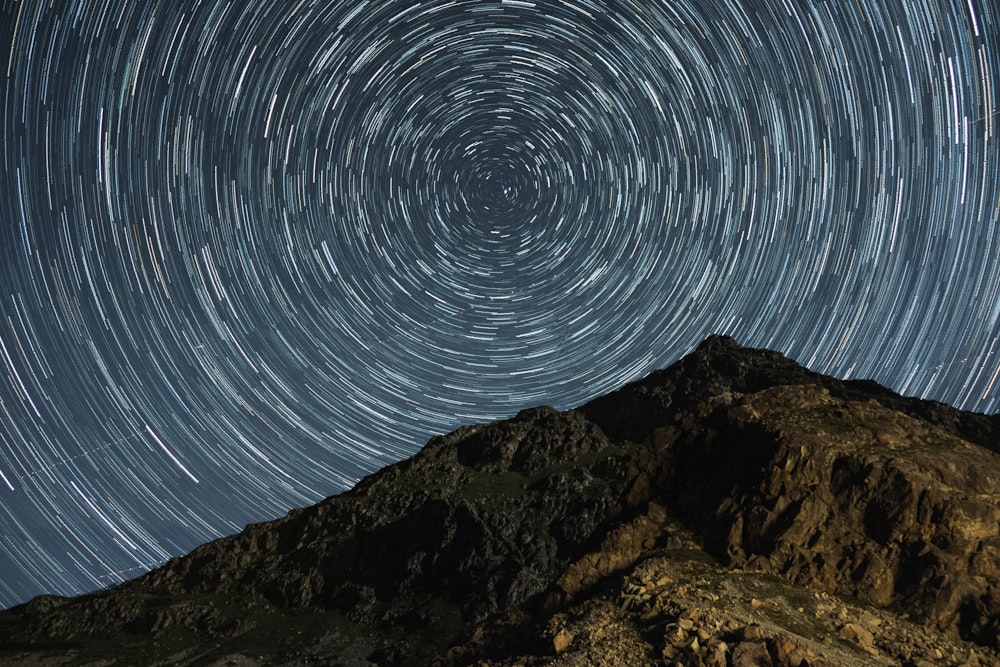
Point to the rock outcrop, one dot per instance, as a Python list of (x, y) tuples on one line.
[(733, 509)]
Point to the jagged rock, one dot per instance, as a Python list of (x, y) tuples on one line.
[(562, 640), (863, 637), (751, 654), (846, 497), (707, 515), (621, 548)]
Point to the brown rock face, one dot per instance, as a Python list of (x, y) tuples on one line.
[(846, 497), (733, 509)]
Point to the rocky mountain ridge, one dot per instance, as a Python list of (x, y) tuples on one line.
[(732, 509)]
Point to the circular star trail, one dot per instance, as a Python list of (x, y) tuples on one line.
[(253, 251)]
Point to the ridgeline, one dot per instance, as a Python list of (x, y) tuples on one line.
[(734, 509)]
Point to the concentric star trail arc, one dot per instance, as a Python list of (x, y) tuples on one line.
[(254, 251)]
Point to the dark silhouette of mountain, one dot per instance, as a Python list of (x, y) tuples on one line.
[(733, 509)]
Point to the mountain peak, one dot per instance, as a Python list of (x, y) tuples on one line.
[(734, 508), (718, 342)]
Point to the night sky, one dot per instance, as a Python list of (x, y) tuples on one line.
[(251, 251)]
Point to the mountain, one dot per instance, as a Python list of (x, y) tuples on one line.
[(734, 509)]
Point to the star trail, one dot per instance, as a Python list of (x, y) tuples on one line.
[(254, 251)]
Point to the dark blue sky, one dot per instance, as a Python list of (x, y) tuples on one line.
[(250, 254)]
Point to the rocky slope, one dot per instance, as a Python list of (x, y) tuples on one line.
[(734, 509)]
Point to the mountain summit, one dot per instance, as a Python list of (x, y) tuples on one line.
[(734, 509)]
